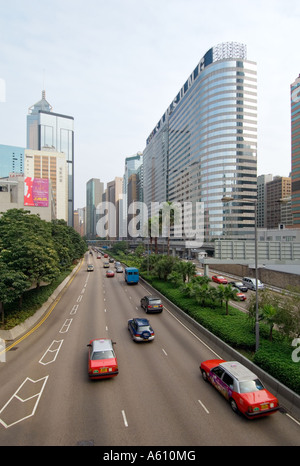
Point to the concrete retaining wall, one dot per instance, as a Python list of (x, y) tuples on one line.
[(269, 277)]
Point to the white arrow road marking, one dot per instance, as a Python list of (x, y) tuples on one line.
[(23, 403), (51, 354)]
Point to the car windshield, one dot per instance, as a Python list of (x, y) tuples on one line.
[(107, 354), (251, 386)]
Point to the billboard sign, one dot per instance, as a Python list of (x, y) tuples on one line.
[(36, 192)]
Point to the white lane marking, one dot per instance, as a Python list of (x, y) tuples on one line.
[(74, 309), (124, 418), (66, 326), (205, 409), (293, 419), (52, 351), (79, 298), (164, 352)]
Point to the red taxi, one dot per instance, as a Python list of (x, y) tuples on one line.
[(110, 273), (240, 386), (102, 359)]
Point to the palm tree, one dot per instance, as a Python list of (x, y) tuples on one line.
[(190, 269), (269, 314), (227, 293)]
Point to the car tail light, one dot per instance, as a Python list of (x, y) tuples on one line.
[(253, 409)]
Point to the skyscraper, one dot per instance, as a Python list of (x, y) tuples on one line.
[(11, 160), (47, 130), (133, 164), (295, 174), (205, 145), (94, 193), (278, 189)]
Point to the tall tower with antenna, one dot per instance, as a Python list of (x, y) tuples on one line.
[(47, 130)]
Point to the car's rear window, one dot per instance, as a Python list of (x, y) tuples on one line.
[(142, 328), (251, 386), (154, 301), (102, 355)]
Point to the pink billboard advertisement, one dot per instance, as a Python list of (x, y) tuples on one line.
[(36, 192)]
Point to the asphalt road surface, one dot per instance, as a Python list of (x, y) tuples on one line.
[(157, 399)]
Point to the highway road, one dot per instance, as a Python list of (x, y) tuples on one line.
[(157, 399)]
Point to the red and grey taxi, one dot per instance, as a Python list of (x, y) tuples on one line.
[(102, 360), (240, 386)]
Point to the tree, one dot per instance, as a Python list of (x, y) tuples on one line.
[(164, 266), (28, 246), (181, 269), (269, 315), (228, 294), (185, 269), (190, 269), (12, 286), (270, 307), (140, 249)]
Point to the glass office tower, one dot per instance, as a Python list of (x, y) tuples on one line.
[(11, 160), (205, 145), (47, 130), (295, 174), (94, 193)]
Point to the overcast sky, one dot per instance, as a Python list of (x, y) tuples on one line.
[(116, 65)]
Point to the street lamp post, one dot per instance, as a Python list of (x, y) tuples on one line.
[(226, 199)]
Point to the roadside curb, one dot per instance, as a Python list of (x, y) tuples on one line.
[(16, 332)]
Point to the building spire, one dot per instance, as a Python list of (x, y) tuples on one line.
[(40, 105)]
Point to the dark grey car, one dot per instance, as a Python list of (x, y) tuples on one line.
[(151, 304)]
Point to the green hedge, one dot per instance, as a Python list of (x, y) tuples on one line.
[(275, 358)]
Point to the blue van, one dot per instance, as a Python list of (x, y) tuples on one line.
[(131, 275)]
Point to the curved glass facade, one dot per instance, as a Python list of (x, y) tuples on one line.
[(212, 142)]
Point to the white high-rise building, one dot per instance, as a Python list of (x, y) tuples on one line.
[(204, 147)]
